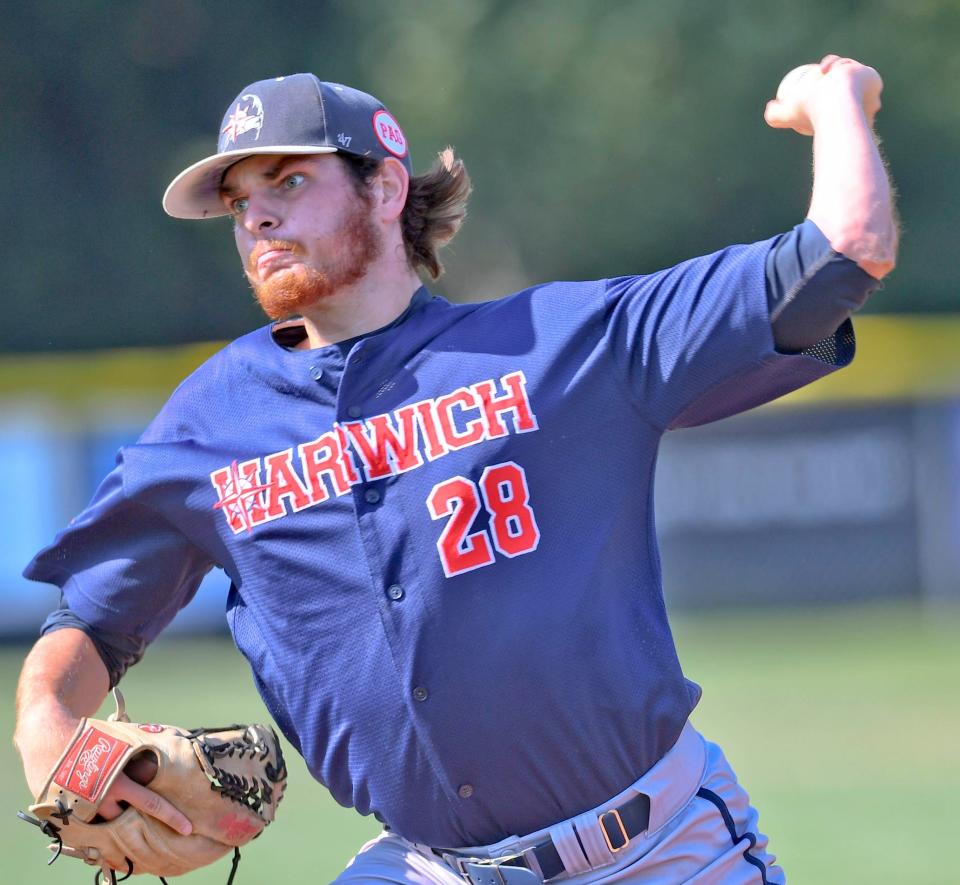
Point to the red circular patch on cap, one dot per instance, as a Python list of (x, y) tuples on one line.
[(389, 133), (153, 729)]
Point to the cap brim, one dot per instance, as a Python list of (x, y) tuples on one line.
[(195, 192)]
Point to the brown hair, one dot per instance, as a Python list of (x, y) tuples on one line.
[(436, 206)]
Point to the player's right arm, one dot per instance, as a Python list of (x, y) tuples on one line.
[(123, 571), (62, 681)]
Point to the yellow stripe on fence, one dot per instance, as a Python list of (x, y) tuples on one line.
[(137, 371), (898, 358)]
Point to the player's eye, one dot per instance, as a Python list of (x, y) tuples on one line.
[(294, 181), (239, 206)]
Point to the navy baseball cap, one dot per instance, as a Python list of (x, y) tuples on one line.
[(299, 114)]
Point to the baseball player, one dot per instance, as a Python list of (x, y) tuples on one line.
[(437, 517)]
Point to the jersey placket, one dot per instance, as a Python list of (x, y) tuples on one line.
[(377, 525)]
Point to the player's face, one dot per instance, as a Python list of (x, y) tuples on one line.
[(302, 230)]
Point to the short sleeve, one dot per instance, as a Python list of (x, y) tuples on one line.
[(696, 344), (120, 565)]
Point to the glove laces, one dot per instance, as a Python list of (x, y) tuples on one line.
[(98, 876), (52, 831)]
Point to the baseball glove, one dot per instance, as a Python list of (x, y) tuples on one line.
[(227, 781)]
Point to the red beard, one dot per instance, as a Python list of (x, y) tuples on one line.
[(288, 290)]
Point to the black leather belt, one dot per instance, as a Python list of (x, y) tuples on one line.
[(619, 825)]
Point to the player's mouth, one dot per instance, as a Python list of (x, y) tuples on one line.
[(272, 259), (270, 255)]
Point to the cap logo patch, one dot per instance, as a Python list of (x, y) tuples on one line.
[(389, 133), (245, 117)]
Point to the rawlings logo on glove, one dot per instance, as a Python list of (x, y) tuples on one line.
[(85, 762), (227, 781)]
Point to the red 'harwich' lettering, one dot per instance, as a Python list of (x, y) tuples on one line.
[(239, 491), (283, 482), (324, 456), (383, 448), (465, 400), (514, 401), (384, 445), (426, 415)]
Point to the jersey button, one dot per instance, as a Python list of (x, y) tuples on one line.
[(354, 411), (371, 496), (316, 373), (420, 693), (395, 592), (465, 791)]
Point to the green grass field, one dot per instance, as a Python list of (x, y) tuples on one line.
[(842, 723)]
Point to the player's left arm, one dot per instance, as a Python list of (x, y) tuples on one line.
[(852, 201)]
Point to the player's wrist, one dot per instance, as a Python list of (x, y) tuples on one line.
[(41, 736), (839, 105), (847, 92)]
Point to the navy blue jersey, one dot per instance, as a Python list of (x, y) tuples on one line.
[(440, 536)]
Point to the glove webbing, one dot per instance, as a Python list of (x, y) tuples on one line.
[(249, 793)]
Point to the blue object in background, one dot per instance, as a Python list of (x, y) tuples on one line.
[(206, 610), (29, 455), (52, 471)]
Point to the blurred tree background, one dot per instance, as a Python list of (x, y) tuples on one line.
[(603, 136)]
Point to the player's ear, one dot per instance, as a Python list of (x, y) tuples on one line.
[(394, 182)]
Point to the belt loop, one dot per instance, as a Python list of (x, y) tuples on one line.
[(568, 847), (590, 832), (452, 860)]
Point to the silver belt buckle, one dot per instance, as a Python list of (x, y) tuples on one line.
[(460, 863), (495, 865)]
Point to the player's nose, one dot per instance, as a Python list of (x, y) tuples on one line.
[(260, 215)]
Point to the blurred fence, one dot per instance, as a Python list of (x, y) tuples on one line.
[(846, 490), (814, 505), (849, 489)]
